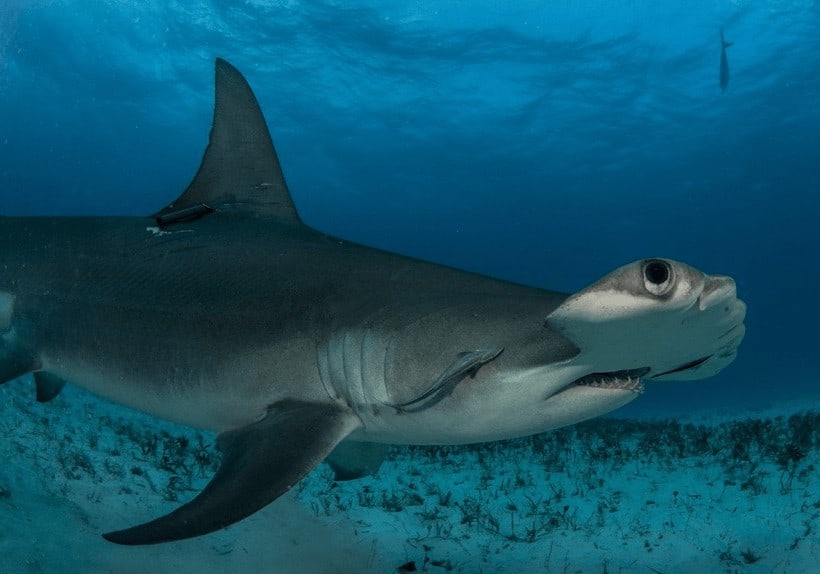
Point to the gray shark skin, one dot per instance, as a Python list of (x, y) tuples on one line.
[(225, 311), (724, 63)]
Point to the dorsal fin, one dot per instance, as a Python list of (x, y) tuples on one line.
[(240, 168)]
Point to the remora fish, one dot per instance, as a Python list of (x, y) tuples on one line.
[(724, 63)]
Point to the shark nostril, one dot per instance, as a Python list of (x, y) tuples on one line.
[(716, 290)]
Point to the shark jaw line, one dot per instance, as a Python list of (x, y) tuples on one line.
[(628, 380), (631, 379)]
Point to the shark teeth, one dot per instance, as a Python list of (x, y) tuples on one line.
[(626, 383)]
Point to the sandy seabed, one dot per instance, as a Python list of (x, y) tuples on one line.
[(736, 493)]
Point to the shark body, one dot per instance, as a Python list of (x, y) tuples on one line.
[(225, 311)]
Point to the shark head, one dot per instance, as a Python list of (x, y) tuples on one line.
[(654, 318)]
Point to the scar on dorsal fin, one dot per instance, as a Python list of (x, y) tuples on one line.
[(260, 462), (467, 364), (240, 169)]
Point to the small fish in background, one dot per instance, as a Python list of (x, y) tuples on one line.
[(724, 63)]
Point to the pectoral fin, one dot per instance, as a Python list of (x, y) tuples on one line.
[(351, 460), (260, 463), (48, 386), (467, 364)]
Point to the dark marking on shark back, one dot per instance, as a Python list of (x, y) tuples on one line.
[(184, 215)]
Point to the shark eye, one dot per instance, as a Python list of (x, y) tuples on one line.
[(658, 277)]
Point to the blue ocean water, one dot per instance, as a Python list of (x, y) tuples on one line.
[(542, 142)]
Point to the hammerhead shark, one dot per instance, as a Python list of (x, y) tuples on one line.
[(225, 311)]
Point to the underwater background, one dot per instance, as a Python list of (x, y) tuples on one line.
[(544, 142)]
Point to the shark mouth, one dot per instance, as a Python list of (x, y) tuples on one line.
[(626, 380), (630, 380)]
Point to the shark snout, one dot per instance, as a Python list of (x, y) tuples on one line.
[(719, 295), (719, 298), (717, 289), (716, 332)]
